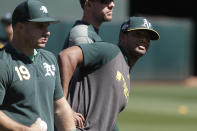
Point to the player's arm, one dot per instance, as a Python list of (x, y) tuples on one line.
[(86, 55), (7, 124), (64, 120), (68, 61)]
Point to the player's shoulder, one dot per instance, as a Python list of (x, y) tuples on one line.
[(107, 46), (46, 53), (3, 64), (83, 32), (5, 52), (100, 49), (102, 45), (79, 34), (80, 30), (4, 59)]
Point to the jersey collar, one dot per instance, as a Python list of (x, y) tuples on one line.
[(20, 54), (33, 56)]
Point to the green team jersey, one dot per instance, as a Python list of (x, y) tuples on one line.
[(81, 33), (29, 88), (101, 88)]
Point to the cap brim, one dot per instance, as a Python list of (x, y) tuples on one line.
[(45, 19), (154, 34)]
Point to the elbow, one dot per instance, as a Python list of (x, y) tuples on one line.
[(72, 55)]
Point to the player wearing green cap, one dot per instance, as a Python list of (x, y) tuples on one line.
[(101, 89), (31, 96)]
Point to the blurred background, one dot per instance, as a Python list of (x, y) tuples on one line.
[(162, 95)]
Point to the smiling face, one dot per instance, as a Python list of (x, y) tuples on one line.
[(136, 42)]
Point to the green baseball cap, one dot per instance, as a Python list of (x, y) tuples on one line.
[(31, 10), (139, 23)]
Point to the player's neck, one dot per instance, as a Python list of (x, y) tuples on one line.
[(132, 62), (91, 21)]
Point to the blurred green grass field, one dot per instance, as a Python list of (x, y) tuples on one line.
[(160, 108)]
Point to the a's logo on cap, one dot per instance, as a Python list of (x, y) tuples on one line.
[(147, 24), (44, 9)]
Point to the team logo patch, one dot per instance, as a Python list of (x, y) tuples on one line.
[(120, 78), (50, 69), (44, 9), (147, 24)]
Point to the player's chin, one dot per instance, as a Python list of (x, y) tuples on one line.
[(141, 53), (41, 45), (108, 17)]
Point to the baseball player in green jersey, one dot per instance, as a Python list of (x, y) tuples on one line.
[(101, 89), (31, 95), (95, 12)]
